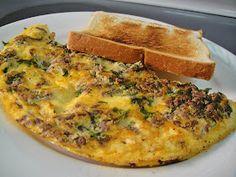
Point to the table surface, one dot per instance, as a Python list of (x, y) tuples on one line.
[(219, 7), (217, 28)]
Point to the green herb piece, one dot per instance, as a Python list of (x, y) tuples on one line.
[(141, 100), (137, 100), (115, 109), (145, 113), (36, 63), (5, 70), (82, 128), (129, 84), (100, 136), (26, 62), (80, 90), (117, 73), (131, 124), (4, 43), (120, 112), (169, 91), (13, 78), (93, 117), (206, 90), (228, 109), (55, 43), (65, 72), (43, 65), (36, 97)]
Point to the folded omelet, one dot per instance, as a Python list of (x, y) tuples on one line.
[(110, 112)]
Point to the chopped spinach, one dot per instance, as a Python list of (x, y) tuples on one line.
[(120, 112), (137, 100), (42, 64), (82, 128), (98, 135), (4, 43), (206, 90), (13, 78), (55, 43), (65, 72), (115, 109), (137, 66), (131, 124), (228, 109), (169, 91), (80, 90), (117, 73), (146, 114), (26, 62), (37, 96), (5, 70), (141, 100), (129, 85), (94, 116)]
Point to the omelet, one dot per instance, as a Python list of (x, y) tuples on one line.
[(106, 111)]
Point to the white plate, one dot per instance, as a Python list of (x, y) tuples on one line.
[(23, 156)]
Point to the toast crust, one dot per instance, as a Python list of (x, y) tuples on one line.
[(168, 63), (106, 48)]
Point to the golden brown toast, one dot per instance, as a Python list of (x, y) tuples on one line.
[(106, 48), (164, 44)]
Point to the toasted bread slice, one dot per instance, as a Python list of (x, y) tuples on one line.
[(181, 66), (112, 50), (165, 47)]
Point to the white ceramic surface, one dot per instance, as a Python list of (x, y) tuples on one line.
[(23, 156)]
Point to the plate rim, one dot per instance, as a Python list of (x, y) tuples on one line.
[(218, 46)]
